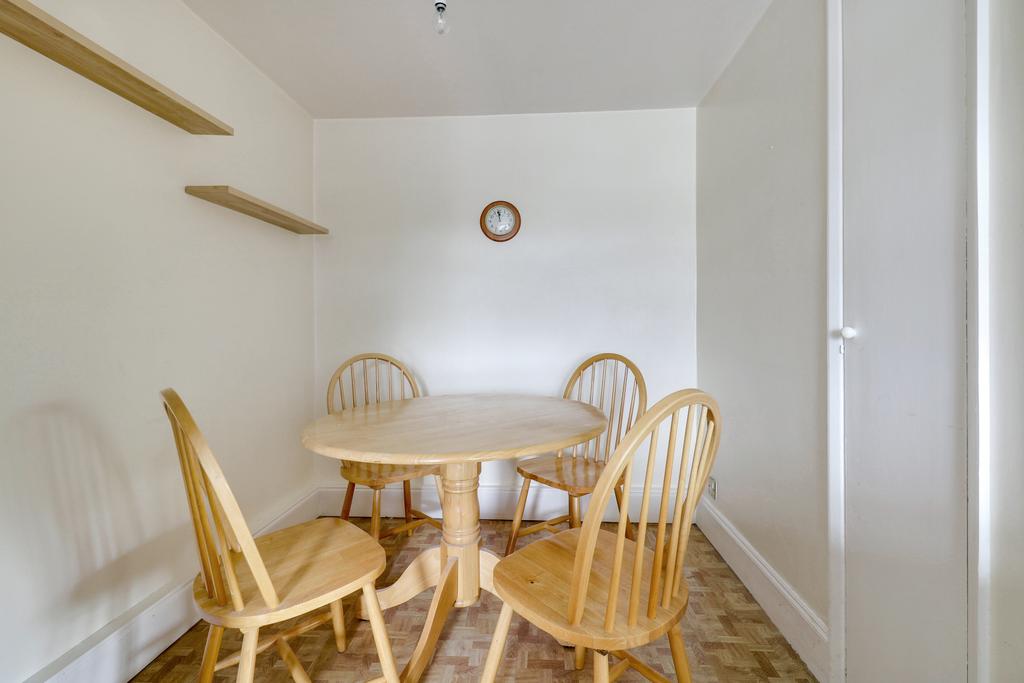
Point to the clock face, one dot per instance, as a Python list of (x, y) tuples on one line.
[(500, 221)]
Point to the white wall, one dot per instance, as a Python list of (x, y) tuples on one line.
[(1007, 329), (761, 155), (115, 284), (604, 260)]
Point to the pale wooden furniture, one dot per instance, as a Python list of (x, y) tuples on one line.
[(236, 200), (455, 433), (368, 379), (36, 29), (248, 583), (599, 590), (613, 384)]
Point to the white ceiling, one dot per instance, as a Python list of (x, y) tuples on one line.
[(370, 58)]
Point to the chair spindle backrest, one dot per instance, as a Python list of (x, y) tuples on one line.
[(369, 378), (687, 461), (614, 385), (222, 535)]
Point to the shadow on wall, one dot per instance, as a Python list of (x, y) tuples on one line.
[(75, 519)]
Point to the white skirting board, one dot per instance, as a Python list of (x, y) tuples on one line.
[(496, 502), (798, 623), (126, 645)]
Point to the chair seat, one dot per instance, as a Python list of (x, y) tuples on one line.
[(536, 582), (577, 476), (311, 565), (376, 475)]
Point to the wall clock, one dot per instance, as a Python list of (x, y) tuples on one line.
[(500, 221)]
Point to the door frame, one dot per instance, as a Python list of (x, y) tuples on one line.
[(979, 536), (835, 366)]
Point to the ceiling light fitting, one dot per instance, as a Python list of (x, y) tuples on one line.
[(440, 22)]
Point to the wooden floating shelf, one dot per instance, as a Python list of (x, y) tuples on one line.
[(237, 200), (36, 29)]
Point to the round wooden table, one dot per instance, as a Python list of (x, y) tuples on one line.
[(457, 433)]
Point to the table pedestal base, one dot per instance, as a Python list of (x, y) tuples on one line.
[(460, 527), (457, 569)]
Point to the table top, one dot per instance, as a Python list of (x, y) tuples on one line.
[(437, 430)]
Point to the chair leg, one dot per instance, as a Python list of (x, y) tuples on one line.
[(213, 640), (407, 494), (292, 662), (497, 644), (517, 520), (375, 515), (380, 634), (338, 621), (678, 646), (346, 507), (630, 534), (247, 659), (574, 512), (600, 667), (581, 657)]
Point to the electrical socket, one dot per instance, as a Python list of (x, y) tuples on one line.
[(713, 488)]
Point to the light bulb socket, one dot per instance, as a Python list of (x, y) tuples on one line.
[(441, 6)]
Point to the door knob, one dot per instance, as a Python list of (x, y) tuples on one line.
[(848, 332)]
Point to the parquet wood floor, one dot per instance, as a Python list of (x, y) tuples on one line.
[(728, 636)]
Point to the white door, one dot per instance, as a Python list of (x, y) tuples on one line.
[(905, 186)]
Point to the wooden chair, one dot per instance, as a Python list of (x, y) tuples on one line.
[(605, 381), (598, 590), (248, 583), (371, 378)]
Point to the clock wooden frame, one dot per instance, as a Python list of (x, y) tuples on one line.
[(509, 235)]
